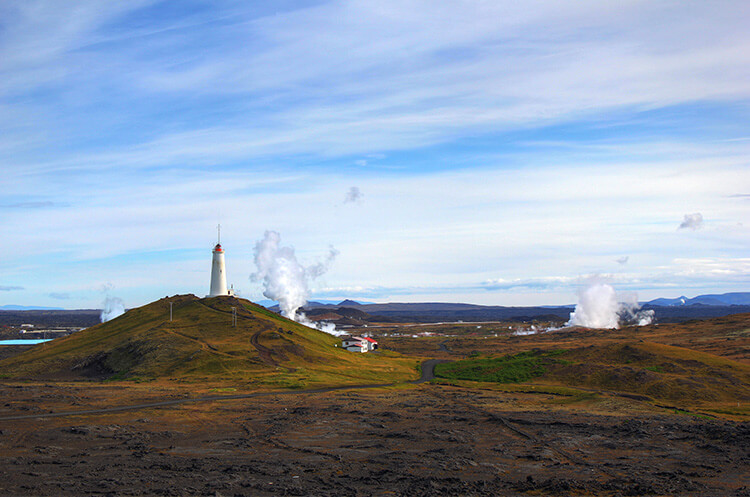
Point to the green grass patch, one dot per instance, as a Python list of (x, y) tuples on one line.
[(740, 411), (507, 369), (117, 376), (693, 414), (655, 369)]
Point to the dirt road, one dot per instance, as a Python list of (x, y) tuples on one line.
[(428, 370)]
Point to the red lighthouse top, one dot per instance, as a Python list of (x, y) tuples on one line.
[(218, 248)]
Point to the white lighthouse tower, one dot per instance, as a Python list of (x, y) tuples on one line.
[(218, 271)]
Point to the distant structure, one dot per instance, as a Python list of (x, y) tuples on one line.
[(358, 344), (219, 271)]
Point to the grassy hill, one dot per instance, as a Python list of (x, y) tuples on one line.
[(649, 370), (201, 343)]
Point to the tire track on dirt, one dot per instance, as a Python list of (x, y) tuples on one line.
[(204, 345), (507, 424), (264, 352), (207, 398), (427, 375)]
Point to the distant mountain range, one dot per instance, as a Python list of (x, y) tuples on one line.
[(736, 298), (316, 303), (667, 310), (12, 307), (721, 300), (724, 299), (355, 313)]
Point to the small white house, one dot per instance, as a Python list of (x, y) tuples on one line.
[(359, 344)]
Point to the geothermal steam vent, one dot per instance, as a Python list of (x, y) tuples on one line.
[(219, 271)]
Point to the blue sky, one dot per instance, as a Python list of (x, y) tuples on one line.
[(505, 151)]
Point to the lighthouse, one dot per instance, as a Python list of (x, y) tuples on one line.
[(218, 271)]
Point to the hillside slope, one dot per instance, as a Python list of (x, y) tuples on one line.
[(202, 343), (656, 371), (650, 371)]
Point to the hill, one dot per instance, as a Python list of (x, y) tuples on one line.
[(201, 343), (13, 307), (649, 371), (723, 299)]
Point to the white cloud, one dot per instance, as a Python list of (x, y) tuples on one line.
[(353, 195), (123, 141), (692, 221), (736, 269), (338, 78)]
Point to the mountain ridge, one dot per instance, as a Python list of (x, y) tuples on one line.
[(732, 298)]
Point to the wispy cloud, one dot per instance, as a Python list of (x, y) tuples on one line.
[(737, 269), (28, 205), (5, 288), (525, 143), (545, 283)]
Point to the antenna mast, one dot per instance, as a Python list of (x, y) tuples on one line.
[(219, 228)]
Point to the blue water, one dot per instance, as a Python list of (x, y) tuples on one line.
[(27, 341)]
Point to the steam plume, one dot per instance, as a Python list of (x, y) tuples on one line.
[(111, 308), (329, 328), (598, 307), (284, 278)]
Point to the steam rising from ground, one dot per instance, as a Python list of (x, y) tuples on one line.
[(598, 307), (111, 308), (285, 280), (329, 328)]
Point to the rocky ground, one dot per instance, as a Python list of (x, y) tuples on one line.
[(417, 440)]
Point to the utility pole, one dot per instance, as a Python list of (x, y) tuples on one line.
[(234, 317), (170, 311)]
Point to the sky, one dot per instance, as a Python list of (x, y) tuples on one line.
[(490, 152)]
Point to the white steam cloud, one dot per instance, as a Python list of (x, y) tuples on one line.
[(692, 221), (111, 308), (598, 307), (284, 279), (327, 327)]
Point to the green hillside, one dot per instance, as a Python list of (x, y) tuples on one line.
[(657, 371), (650, 370), (201, 343)]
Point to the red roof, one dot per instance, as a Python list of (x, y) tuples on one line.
[(370, 339)]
